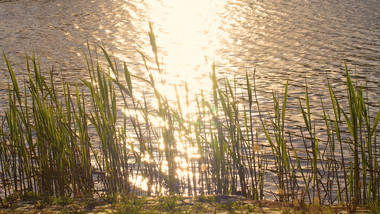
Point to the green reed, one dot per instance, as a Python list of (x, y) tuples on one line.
[(41, 149), (362, 142), (60, 140)]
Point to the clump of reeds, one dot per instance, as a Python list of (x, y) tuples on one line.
[(47, 146), (44, 143)]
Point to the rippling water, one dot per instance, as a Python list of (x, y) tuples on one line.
[(280, 39), (297, 40)]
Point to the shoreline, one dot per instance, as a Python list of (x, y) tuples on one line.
[(177, 204)]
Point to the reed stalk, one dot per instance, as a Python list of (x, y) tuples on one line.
[(100, 138)]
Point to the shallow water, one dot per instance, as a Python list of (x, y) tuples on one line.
[(298, 40)]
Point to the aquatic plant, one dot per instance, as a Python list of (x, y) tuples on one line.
[(99, 137)]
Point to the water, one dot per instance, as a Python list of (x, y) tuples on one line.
[(282, 40), (297, 40)]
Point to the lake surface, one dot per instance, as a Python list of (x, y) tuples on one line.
[(283, 40), (280, 39)]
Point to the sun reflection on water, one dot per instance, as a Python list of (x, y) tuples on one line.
[(183, 29)]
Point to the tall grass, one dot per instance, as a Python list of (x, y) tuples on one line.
[(57, 141), (44, 148)]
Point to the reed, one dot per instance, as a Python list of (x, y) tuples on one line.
[(99, 137), (42, 151)]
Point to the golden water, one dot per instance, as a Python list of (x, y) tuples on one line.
[(282, 40)]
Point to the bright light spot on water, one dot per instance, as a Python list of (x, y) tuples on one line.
[(184, 173), (112, 75), (183, 29), (140, 182), (164, 166), (139, 115), (146, 158), (193, 153), (161, 144), (143, 183)]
